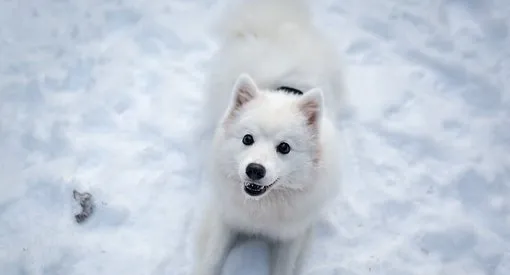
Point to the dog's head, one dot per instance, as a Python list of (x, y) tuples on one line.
[(269, 139)]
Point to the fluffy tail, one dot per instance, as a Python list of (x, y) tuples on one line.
[(259, 18)]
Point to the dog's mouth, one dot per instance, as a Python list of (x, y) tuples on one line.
[(255, 190)]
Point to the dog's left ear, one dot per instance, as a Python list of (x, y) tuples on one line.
[(311, 105), (243, 92)]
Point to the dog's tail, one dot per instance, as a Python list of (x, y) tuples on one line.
[(260, 18)]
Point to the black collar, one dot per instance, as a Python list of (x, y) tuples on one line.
[(290, 90)]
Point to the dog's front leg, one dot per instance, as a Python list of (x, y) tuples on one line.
[(287, 256), (213, 243)]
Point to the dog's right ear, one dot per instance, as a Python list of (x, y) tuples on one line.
[(244, 91)]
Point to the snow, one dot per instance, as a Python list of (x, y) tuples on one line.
[(101, 96)]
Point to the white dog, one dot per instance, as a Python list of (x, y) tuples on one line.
[(274, 89)]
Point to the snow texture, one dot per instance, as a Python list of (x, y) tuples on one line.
[(101, 96)]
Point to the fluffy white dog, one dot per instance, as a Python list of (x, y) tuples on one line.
[(273, 92)]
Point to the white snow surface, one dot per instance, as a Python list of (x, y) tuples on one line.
[(102, 96)]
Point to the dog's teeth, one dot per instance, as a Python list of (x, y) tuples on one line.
[(254, 186)]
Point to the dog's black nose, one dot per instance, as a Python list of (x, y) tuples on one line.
[(255, 171)]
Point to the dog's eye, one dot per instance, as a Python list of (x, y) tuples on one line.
[(248, 140), (283, 148)]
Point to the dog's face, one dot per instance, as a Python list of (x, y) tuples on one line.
[(269, 139)]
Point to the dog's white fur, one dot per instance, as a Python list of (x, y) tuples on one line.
[(263, 45)]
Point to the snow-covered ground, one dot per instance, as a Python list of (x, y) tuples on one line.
[(100, 95)]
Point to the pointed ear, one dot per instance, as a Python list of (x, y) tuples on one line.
[(243, 92), (311, 105)]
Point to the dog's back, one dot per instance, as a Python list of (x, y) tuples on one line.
[(261, 18), (276, 43)]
